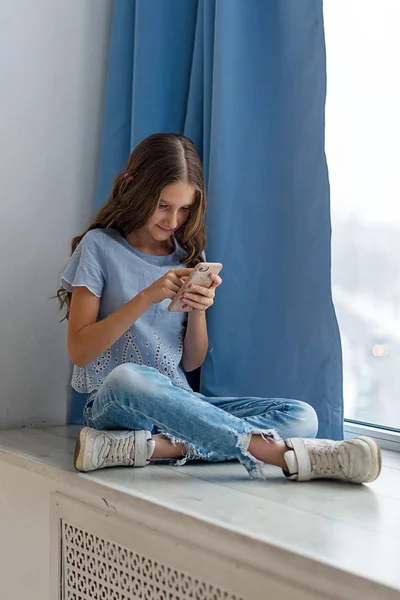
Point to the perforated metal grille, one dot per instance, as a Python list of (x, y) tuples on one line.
[(98, 569)]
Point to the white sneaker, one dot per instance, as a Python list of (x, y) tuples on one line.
[(99, 449), (356, 461)]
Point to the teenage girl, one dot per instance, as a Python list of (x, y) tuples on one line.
[(131, 354)]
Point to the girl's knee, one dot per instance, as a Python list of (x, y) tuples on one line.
[(121, 374), (304, 419), (309, 420), (128, 377)]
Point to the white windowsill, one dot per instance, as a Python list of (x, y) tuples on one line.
[(339, 541), (388, 440)]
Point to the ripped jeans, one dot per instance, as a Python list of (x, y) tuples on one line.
[(213, 429)]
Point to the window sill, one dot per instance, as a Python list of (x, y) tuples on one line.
[(388, 440), (320, 540)]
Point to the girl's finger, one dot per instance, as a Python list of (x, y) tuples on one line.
[(182, 272), (177, 280), (174, 288), (202, 291), (216, 281), (196, 305), (196, 298)]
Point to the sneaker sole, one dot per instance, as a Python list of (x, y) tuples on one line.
[(80, 450), (376, 458)]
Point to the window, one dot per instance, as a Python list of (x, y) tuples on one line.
[(363, 152)]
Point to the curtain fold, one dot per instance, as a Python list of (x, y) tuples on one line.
[(247, 82)]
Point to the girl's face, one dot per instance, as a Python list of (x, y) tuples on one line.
[(172, 211)]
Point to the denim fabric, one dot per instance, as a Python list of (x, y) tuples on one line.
[(213, 429)]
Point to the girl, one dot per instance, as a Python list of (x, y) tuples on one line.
[(131, 354)]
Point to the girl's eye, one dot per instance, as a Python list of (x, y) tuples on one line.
[(185, 209), (162, 206)]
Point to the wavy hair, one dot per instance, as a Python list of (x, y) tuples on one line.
[(158, 161)]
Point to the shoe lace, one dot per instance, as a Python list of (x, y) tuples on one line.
[(118, 451), (327, 461)]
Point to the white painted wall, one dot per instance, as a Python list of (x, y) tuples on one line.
[(53, 59)]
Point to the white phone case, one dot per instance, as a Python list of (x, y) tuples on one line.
[(199, 276)]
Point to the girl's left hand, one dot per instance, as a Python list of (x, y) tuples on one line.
[(201, 298)]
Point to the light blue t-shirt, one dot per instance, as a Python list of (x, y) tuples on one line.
[(111, 269)]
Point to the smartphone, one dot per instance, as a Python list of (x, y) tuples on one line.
[(199, 276)]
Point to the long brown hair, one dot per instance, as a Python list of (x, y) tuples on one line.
[(158, 161)]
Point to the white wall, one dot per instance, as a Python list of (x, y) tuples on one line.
[(53, 60)]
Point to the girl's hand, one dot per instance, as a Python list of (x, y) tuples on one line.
[(201, 298), (166, 286)]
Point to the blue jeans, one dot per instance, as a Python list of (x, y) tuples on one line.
[(213, 429)]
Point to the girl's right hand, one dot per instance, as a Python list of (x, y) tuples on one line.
[(167, 286)]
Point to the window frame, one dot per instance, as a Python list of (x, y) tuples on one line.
[(388, 439)]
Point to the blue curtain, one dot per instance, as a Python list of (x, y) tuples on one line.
[(247, 82)]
